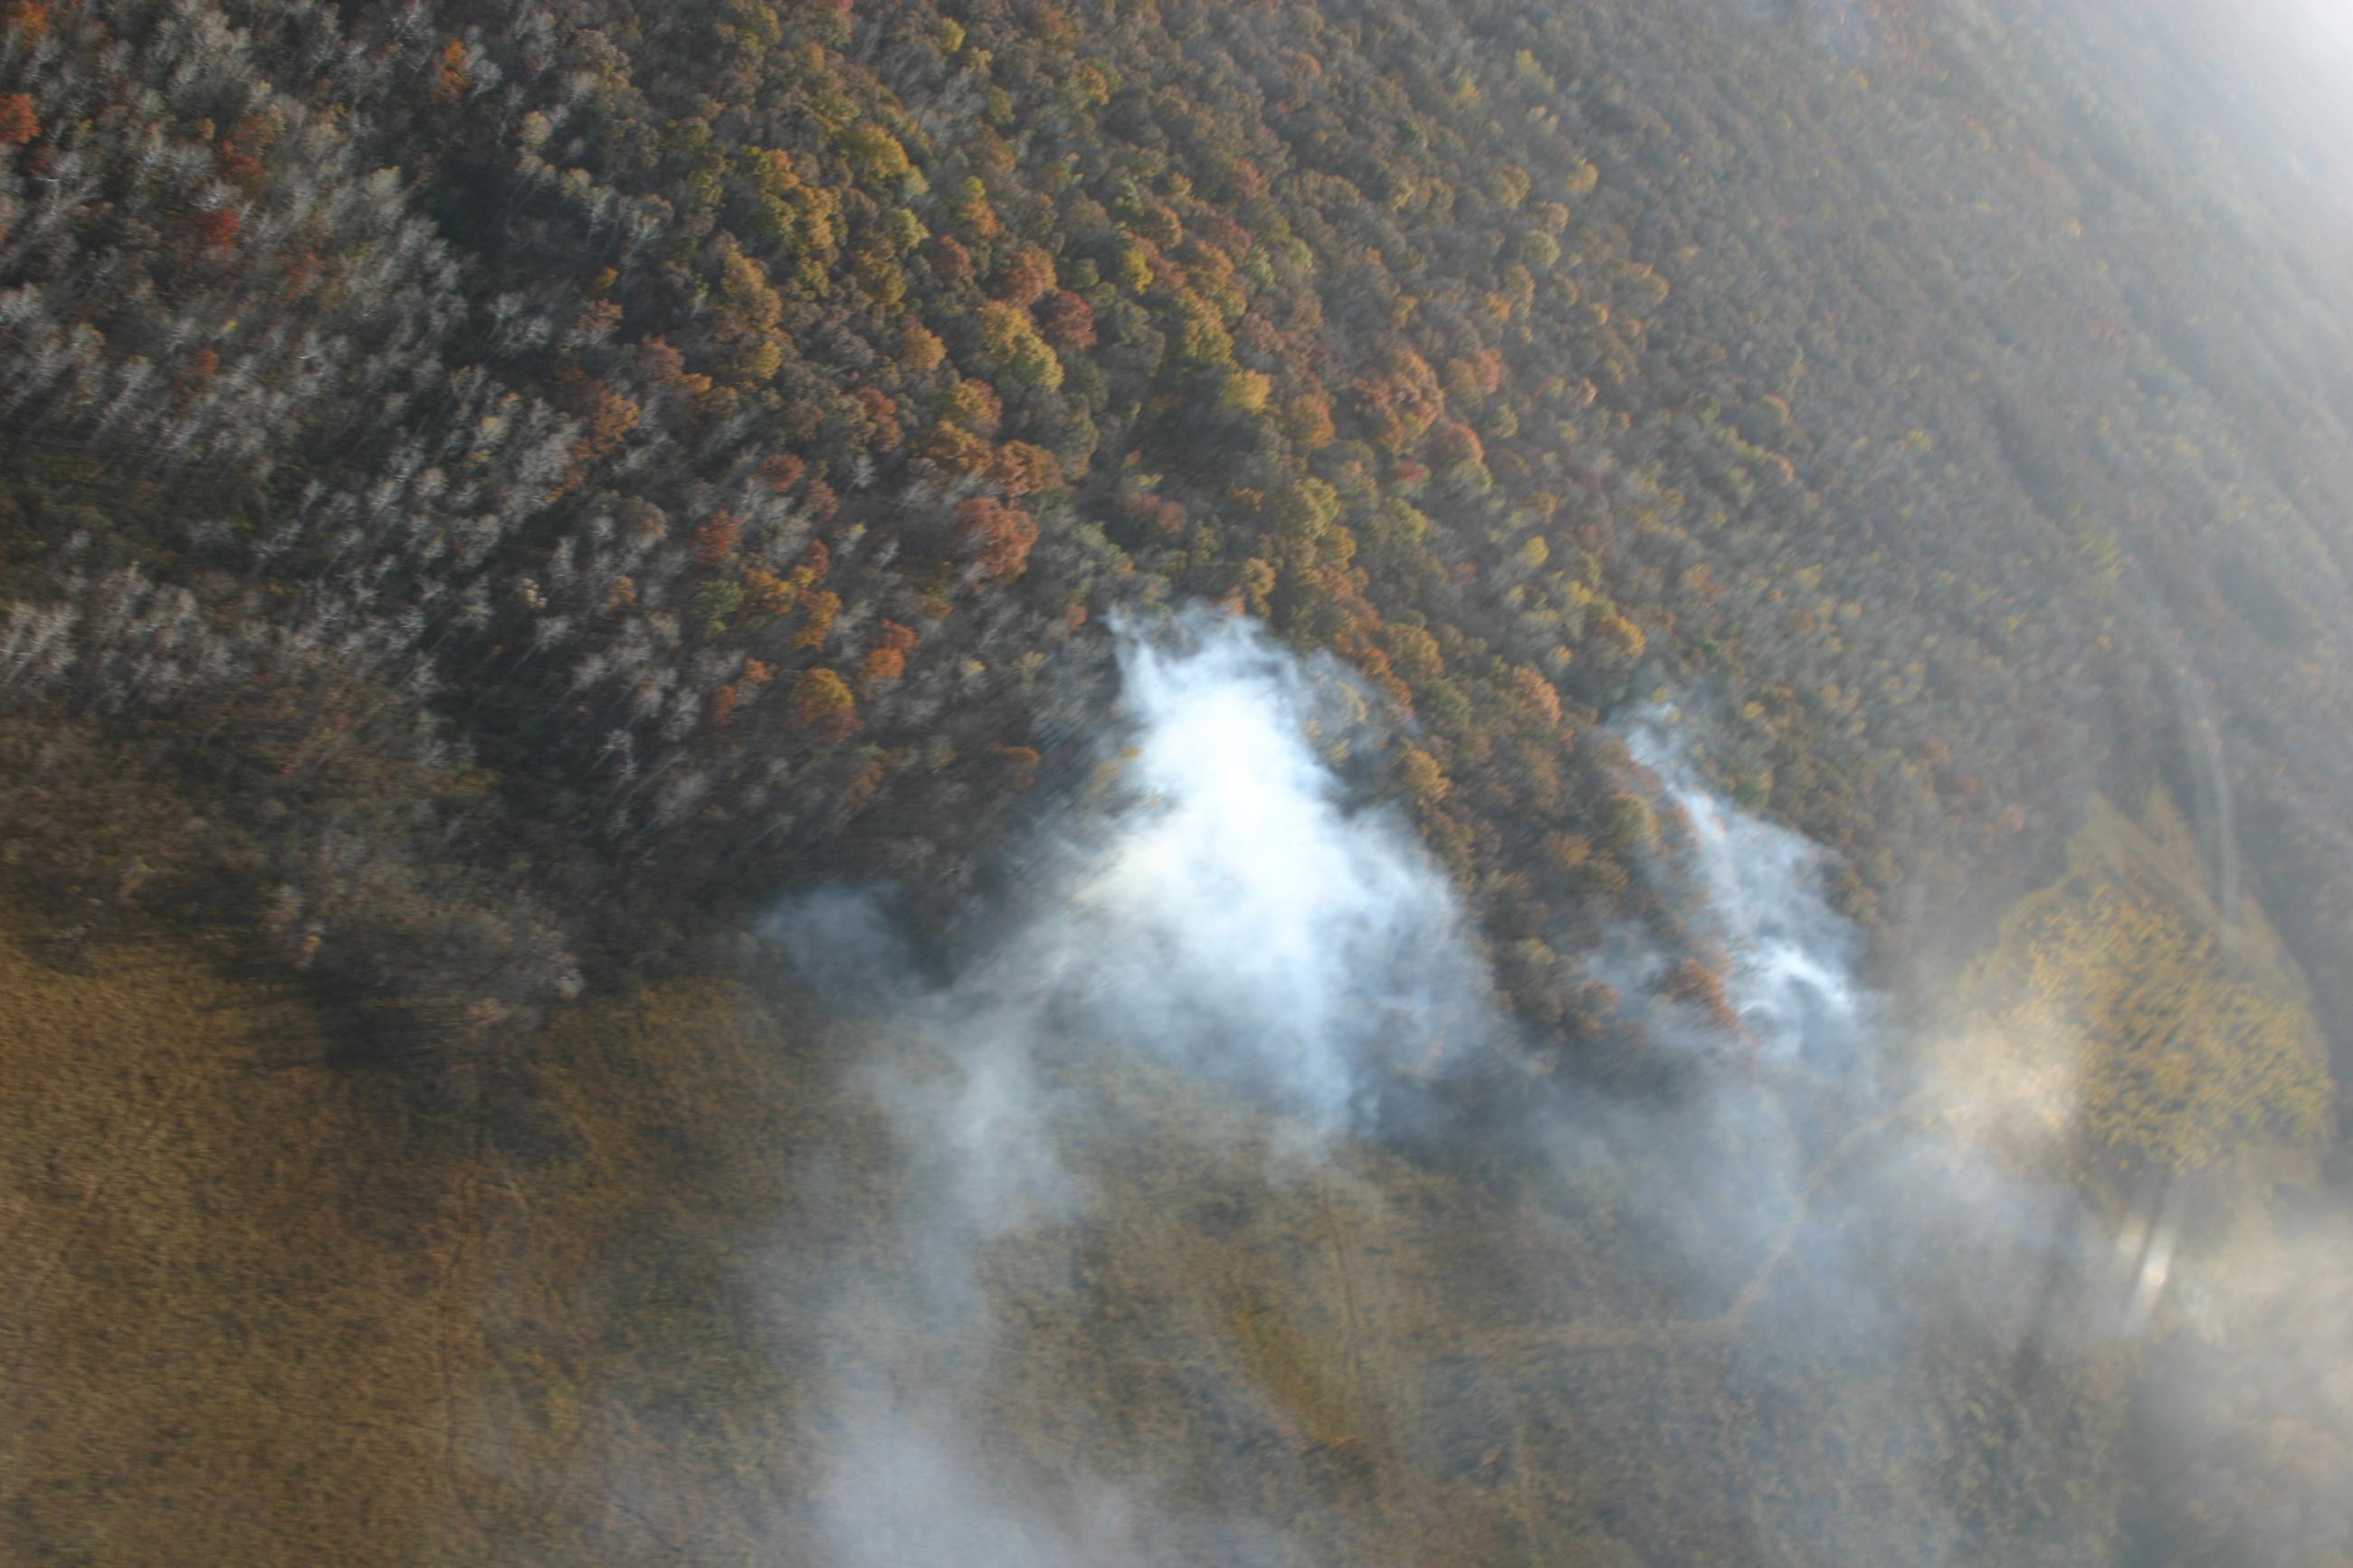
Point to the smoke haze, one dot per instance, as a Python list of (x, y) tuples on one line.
[(1231, 918), (1229, 942)]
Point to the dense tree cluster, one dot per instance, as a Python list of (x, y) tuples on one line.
[(493, 451)]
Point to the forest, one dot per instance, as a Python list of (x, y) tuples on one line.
[(503, 502)]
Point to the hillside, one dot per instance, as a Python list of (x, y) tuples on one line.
[(715, 445), (1290, 782)]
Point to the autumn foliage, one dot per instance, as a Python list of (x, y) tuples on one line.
[(823, 703), (18, 124), (997, 537)]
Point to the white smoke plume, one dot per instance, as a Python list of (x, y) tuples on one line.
[(1241, 916), (1230, 923), (1232, 917), (1794, 980)]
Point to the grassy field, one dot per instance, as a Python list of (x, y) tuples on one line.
[(235, 1307), (250, 1314), (252, 1317)]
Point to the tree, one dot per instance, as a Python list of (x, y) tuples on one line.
[(1425, 782), (745, 331), (921, 350), (1304, 511), (997, 537), (875, 158), (1067, 321), (887, 659), (1630, 825), (1536, 696), (714, 539), (823, 703), (1695, 984), (18, 124), (1015, 350), (1023, 468), (953, 449), (1025, 278)]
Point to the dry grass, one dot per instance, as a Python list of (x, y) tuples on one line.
[(228, 1328), (245, 1318), (250, 1321)]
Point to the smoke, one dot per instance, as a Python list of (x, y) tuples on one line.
[(1227, 913), (1900, 1189), (1230, 918), (1242, 920), (1228, 980), (2248, 1455), (1796, 960), (1865, 1219)]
